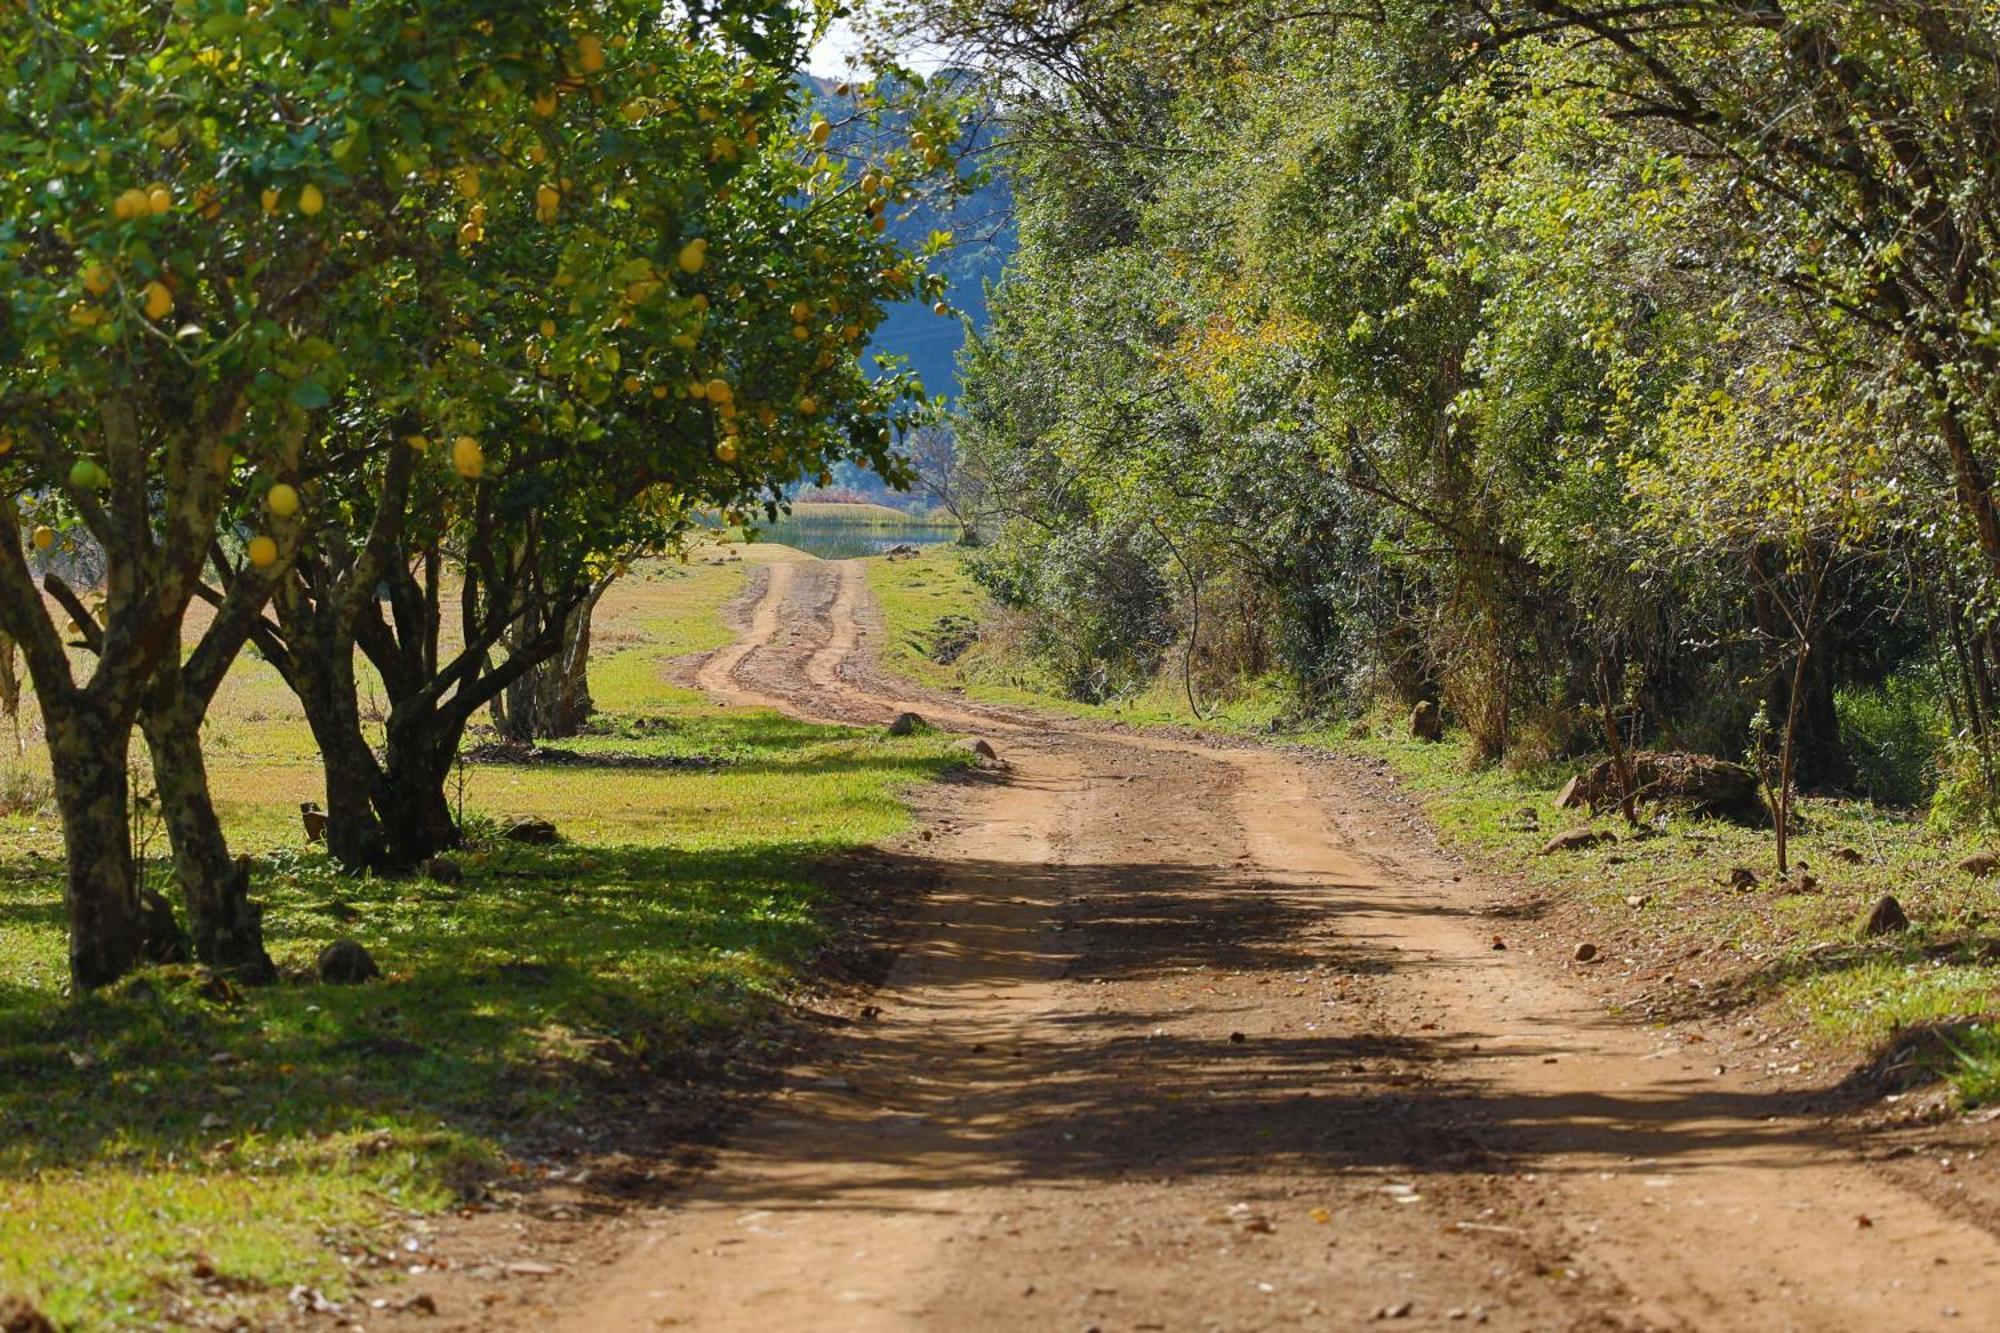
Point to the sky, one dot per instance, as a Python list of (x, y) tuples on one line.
[(829, 59)]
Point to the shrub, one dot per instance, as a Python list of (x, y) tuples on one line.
[(1894, 734)]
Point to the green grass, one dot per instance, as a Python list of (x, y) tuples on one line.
[(918, 592), (261, 1134), (872, 513), (1800, 954)]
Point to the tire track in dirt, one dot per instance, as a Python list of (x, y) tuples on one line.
[(1169, 1049)]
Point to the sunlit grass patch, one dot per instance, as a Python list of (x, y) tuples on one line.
[(171, 1124), (1802, 952)]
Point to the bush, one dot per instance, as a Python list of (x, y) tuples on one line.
[(1894, 734)]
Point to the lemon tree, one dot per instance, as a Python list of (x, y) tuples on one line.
[(648, 302), (202, 200)]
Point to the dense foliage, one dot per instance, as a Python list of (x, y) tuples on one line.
[(1621, 374), (396, 328)]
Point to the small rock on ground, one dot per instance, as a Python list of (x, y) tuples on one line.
[(17, 1316), (346, 963), (907, 724), (1576, 839), (1887, 918), (534, 832)]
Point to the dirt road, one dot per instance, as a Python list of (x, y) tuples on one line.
[(1201, 1037)]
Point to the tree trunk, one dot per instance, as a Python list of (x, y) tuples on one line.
[(553, 699), (1788, 755), (324, 683), (110, 931), (227, 928), (417, 820)]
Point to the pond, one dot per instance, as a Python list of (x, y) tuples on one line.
[(838, 539)]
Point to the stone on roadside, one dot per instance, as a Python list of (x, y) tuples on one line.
[(17, 1316), (1980, 865), (1586, 952), (1887, 918), (907, 724), (443, 870), (1576, 840), (982, 752), (534, 832), (346, 963)]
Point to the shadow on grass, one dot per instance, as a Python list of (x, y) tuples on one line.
[(559, 994), (512, 1005)]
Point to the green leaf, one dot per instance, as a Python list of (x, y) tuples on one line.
[(310, 394)]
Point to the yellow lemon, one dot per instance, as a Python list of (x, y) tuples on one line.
[(545, 105), (820, 132), (801, 311), (311, 201), (808, 406), (589, 53), (45, 537), (418, 442), (693, 255), (548, 328), (270, 200), (131, 204), (801, 332), (159, 199), (548, 201), (263, 552), (941, 309), (698, 389), (725, 450), (283, 500), (97, 279), (633, 384), (719, 391), (467, 457), (468, 181), (159, 301)]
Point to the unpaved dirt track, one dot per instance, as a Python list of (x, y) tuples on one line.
[(1196, 1037)]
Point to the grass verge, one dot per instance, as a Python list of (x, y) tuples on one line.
[(1655, 904), (174, 1147)]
